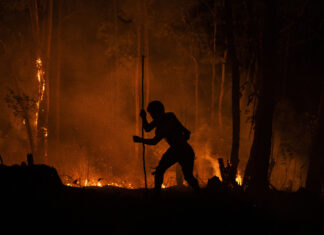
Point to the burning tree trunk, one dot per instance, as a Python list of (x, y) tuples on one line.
[(41, 112), (40, 78), (42, 50), (235, 91), (256, 173)]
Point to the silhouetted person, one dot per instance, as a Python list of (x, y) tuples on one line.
[(168, 126)]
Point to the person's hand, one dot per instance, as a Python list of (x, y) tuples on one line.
[(137, 139), (143, 113)]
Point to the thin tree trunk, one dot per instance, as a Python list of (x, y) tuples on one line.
[(30, 134), (221, 92), (47, 73), (116, 76), (196, 84), (35, 24), (136, 88), (212, 108), (36, 32), (196, 69), (58, 78), (146, 53)]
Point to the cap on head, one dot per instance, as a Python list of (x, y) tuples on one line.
[(155, 107)]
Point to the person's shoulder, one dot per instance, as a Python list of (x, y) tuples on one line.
[(170, 115)]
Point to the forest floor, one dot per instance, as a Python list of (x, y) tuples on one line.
[(178, 210)]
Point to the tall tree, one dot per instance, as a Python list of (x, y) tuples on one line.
[(42, 35), (221, 92), (232, 57), (256, 173), (314, 180)]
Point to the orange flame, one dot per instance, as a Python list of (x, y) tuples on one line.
[(239, 179), (41, 86)]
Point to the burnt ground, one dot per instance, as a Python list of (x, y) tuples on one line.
[(33, 199)]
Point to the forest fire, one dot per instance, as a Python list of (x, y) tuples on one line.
[(78, 97), (138, 116), (205, 163)]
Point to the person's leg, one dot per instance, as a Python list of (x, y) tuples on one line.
[(187, 164), (167, 160)]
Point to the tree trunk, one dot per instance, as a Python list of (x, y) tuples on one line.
[(136, 83), (29, 133), (221, 93), (42, 65), (314, 181), (256, 173), (38, 143), (196, 68), (116, 55), (47, 74), (235, 91), (146, 53), (195, 61), (58, 78), (213, 78)]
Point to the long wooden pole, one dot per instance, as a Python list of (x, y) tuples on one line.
[(142, 124)]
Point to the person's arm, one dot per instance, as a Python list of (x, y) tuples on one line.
[(153, 141), (147, 126)]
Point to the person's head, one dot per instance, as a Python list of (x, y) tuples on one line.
[(156, 109)]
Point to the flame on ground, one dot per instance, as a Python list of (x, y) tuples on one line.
[(98, 183), (239, 179), (208, 167)]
